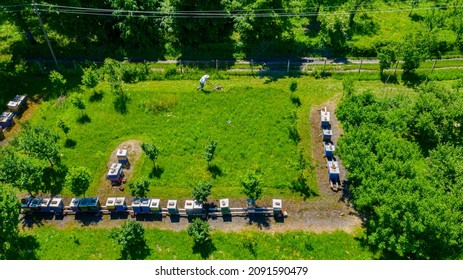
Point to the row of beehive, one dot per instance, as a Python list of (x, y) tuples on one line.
[(118, 204), (328, 149), (14, 107)]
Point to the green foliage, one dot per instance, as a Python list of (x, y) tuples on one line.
[(210, 150), (202, 190), (58, 82), (40, 142), (200, 231), (151, 151), (90, 78), (78, 102), (348, 87), (131, 238), (140, 187), (21, 172), (9, 220), (387, 56), (251, 187), (78, 180), (113, 75)]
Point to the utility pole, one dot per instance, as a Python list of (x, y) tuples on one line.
[(45, 34)]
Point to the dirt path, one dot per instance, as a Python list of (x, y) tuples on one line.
[(327, 213)]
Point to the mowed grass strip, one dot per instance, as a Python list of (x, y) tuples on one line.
[(88, 244), (252, 120)]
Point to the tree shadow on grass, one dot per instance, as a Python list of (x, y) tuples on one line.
[(25, 249), (412, 79), (84, 119), (156, 172), (204, 249), (120, 103), (96, 96), (215, 170), (70, 143), (300, 186)]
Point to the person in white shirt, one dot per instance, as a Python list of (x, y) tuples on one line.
[(202, 82)]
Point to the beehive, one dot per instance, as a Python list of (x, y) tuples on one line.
[(74, 205), (6, 118), (172, 206), (325, 119), (329, 150), (189, 207), (120, 204), (83, 204), (333, 171), (45, 205), (277, 205), (145, 205), (327, 133), (110, 203), (115, 173), (136, 205), (122, 156), (155, 205), (25, 202), (197, 207), (35, 203), (225, 206), (57, 205), (17, 103)]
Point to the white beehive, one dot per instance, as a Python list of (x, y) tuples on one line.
[(197, 207), (225, 206), (111, 203), (277, 205), (189, 207), (122, 155), (155, 205), (172, 206)]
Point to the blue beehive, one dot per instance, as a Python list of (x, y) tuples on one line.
[(145, 205), (329, 150), (57, 205), (325, 119), (6, 118), (35, 204), (122, 156), (83, 204), (93, 204), (333, 171), (45, 205), (25, 202), (120, 204), (136, 205), (17, 104), (327, 133), (115, 173), (74, 205)]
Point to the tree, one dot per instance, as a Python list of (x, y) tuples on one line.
[(200, 231), (202, 190), (9, 220), (90, 78), (64, 127), (387, 56), (58, 82), (78, 180), (210, 150), (140, 187), (40, 142), (251, 187), (131, 238), (113, 74), (151, 151)]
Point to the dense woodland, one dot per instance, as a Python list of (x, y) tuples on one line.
[(404, 155), (213, 29)]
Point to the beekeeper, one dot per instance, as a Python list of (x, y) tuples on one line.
[(202, 82)]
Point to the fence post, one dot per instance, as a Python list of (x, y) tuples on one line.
[(216, 66), (324, 66), (287, 70), (181, 66), (396, 65), (360, 67), (252, 67), (432, 69)]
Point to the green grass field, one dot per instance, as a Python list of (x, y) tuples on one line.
[(94, 244), (254, 121)]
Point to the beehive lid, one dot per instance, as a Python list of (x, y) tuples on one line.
[(189, 204), (6, 116), (277, 203), (325, 116), (45, 202), (172, 204), (93, 201), (197, 205), (74, 202), (145, 202), (154, 203), (26, 201), (329, 147), (119, 201), (111, 201), (84, 202), (224, 203), (136, 202), (327, 132), (55, 201), (19, 98), (333, 167), (115, 169), (13, 104), (121, 152)]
